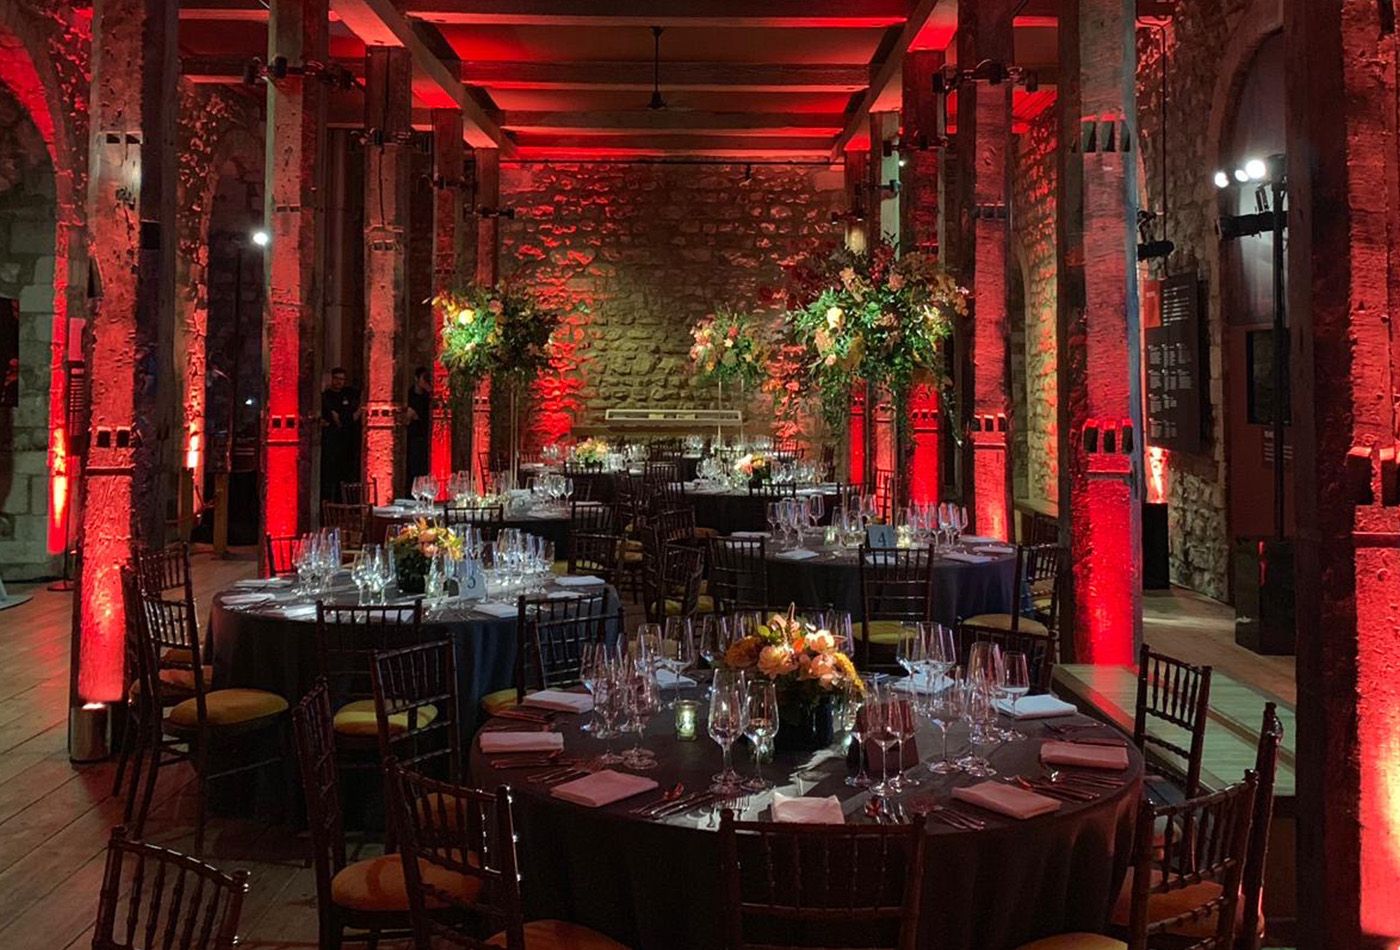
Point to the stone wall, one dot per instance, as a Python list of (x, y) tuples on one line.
[(650, 249), (1033, 243)]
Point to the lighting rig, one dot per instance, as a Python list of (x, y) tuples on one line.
[(256, 71)]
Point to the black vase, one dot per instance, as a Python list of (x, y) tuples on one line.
[(805, 726), (412, 582)]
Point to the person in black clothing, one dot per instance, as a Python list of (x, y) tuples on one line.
[(420, 424), (340, 435)]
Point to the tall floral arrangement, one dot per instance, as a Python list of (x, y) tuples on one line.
[(728, 347), (493, 331), (801, 659)]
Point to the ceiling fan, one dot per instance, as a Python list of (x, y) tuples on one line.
[(657, 100)]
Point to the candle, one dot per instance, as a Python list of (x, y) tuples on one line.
[(686, 710)]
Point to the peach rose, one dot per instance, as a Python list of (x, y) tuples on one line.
[(820, 641), (774, 661), (822, 669)]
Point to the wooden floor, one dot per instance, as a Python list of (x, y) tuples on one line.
[(55, 818)]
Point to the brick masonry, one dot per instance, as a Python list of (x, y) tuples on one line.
[(651, 249)]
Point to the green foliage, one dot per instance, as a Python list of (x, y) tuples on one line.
[(728, 347), (496, 332)]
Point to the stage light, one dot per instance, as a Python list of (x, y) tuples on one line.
[(1241, 175), (261, 238), (1255, 169), (1222, 180)]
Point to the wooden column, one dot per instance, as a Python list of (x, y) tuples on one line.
[(449, 271), (388, 117), (296, 105), (131, 222), (1343, 294), (1100, 398), (983, 143), (922, 127), (859, 223)]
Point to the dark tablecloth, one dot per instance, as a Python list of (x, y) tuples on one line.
[(265, 651), (960, 589), (654, 885), (740, 511)]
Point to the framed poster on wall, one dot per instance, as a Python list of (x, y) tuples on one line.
[(1176, 368)]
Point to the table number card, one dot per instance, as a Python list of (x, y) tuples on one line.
[(471, 580), (881, 536)]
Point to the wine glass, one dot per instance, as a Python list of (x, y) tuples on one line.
[(882, 728), (911, 650), (945, 708), (593, 657), (726, 724), (643, 701), (854, 717), (906, 721), (359, 574), (775, 518), (979, 712), (645, 646), (1016, 678), (608, 703), (761, 726), (677, 651)]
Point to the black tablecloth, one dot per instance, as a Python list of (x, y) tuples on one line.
[(264, 651), (740, 511), (960, 589), (654, 885), (552, 525)]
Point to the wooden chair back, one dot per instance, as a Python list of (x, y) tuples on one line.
[(895, 584), (348, 637), (773, 490), (167, 645), (738, 573), (550, 636), (1202, 839), (884, 493), (416, 708), (675, 575), (661, 471), (478, 516), (281, 555), (1177, 693), (350, 520), (360, 493), (313, 729), (153, 898), (460, 831), (163, 572), (797, 885), (591, 517), (1041, 650), (1256, 855), (1038, 577)]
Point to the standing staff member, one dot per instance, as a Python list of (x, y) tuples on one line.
[(340, 435)]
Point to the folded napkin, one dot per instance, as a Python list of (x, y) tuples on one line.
[(978, 539), (263, 583), (497, 609), (920, 684), (807, 811), (298, 611), (1006, 800), (388, 511), (749, 534), (245, 600), (1084, 755), (668, 680), (563, 595), (1036, 707), (602, 788), (995, 549), (560, 701), (796, 554), (578, 580), (967, 558), (406, 502), (501, 741)]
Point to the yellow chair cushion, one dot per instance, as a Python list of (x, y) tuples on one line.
[(1164, 906), (229, 707), (180, 681), (632, 557), (704, 604), (493, 703), (887, 631), (1003, 622), (560, 935), (377, 884), (1075, 942), (560, 568), (703, 532), (358, 719), (631, 544), (177, 655)]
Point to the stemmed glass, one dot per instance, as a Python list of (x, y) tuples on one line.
[(855, 718), (911, 652), (882, 728), (360, 573), (945, 707), (593, 661), (979, 712), (761, 726), (1016, 678), (728, 704), (643, 702), (677, 652), (609, 701), (775, 518)]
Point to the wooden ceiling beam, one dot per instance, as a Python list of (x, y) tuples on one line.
[(588, 142), (674, 120), (720, 77), (680, 13)]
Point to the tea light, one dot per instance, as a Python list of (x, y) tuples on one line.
[(686, 715)]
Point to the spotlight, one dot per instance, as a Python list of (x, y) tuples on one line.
[(1222, 180), (261, 238), (901, 161), (1255, 169), (1241, 175)]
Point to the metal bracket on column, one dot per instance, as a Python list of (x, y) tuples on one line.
[(1106, 135), (989, 71), (989, 212), (381, 415)]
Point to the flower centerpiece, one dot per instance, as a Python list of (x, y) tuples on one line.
[(729, 347), (415, 546), (755, 467), (590, 452), (808, 672)]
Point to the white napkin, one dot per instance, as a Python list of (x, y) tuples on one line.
[(1006, 799), (245, 600), (388, 511), (602, 788), (978, 539), (668, 680), (496, 609), (563, 595), (1084, 755), (916, 684), (263, 583), (503, 741), (796, 554), (560, 701), (1036, 707), (967, 558), (807, 811), (578, 580), (406, 502), (749, 534), (298, 611), (995, 549)]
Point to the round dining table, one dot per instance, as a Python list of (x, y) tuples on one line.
[(655, 883), (735, 509), (968, 580), (550, 522)]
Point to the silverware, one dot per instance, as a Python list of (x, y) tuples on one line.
[(685, 804), (957, 819), (1079, 778), (667, 796), (555, 776)]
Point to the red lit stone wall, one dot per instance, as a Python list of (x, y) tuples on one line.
[(651, 249)]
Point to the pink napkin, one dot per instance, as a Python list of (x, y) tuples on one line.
[(807, 811), (602, 788), (560, 701), (1084, 755), (502, 741), (1006, 800)]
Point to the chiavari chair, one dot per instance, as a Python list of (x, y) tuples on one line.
[(660, 471), (738, 573), (346, 640), (1037, 585), (416, 708), (673, 578), (1176, 693), (549, 638), (350, 520), (595, 547), (486, 519), (360, 493), (281, 555), (773, 490), (884, 493), (447, 829), (861, 885), (1041, 650), (896, 588), (1188, 860), (368, 896), (152, 897), (181, 717)]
